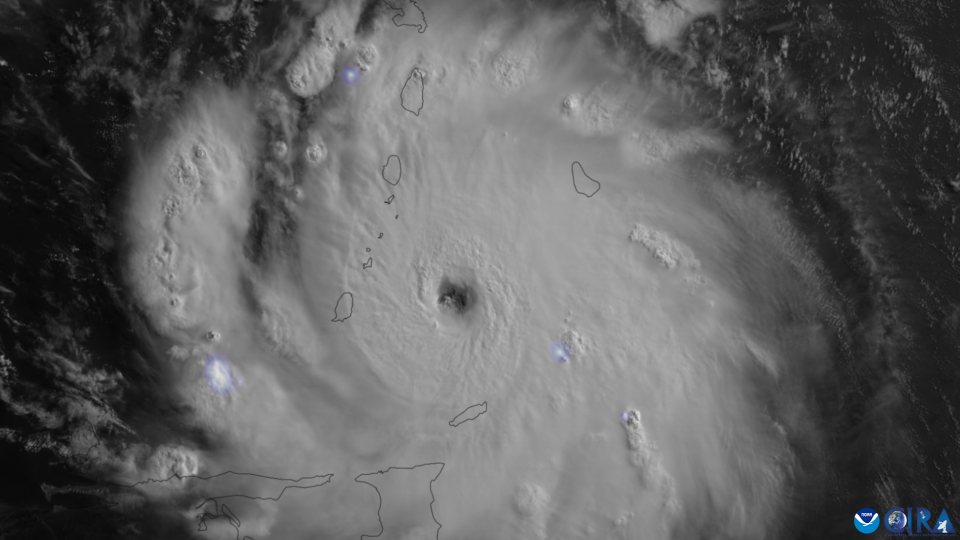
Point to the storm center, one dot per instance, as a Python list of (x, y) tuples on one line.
[(455, 297)]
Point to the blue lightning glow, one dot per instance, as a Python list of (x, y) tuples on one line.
[(350, 74), (218, 373), (560, 352)]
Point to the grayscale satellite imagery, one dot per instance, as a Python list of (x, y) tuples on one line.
[(479, 269)]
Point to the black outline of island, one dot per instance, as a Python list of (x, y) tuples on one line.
[(454, 423), (422, 75), (433, 497), (574, 174), (336, 309), (383, 171), (420, 28), (222, 510)]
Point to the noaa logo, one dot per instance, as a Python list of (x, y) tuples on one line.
[(866, 520)]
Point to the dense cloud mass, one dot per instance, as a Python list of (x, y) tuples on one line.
[(632, 269)]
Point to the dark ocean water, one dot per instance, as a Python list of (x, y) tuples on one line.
[(870, 170), (856, 120), (21, 485), (866, 147)]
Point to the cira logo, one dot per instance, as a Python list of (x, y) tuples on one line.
[(900, 521), (943, 525)]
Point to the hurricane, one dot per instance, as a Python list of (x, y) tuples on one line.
[(417, 269)]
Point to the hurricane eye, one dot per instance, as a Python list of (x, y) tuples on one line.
[(456, 298)]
